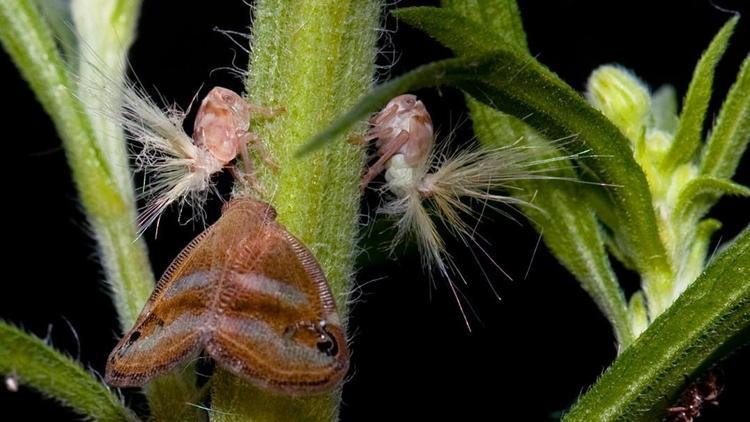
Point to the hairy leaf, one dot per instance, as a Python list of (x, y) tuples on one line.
[(55, 375), (688, 137), (731, 133), (711, 318)]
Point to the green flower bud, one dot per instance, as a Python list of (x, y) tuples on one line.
[(622, 97)]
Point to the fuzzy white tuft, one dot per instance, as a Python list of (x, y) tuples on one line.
[(176, 170), (445, 189)]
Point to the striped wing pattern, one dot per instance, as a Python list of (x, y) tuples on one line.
[(249, 294)]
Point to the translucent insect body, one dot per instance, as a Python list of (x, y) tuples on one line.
[(416, 174), (181, 166)]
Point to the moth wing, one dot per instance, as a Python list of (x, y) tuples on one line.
[(170, 328), (268, 331)]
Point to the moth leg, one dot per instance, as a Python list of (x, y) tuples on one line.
[(391, 149)]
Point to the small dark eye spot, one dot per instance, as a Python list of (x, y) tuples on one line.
[(134, 337), (328, 344)]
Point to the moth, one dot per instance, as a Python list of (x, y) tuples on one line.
[(252, 297)]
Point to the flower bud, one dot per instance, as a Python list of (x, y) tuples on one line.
[(622, 97)]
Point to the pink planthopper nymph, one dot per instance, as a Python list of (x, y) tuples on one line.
[(181, 166), (416, 175)]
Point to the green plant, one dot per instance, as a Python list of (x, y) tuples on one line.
[(659, 181)]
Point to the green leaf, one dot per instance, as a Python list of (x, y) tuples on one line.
[(55, 375), (700, 194), (664, 109), (58, 17), (697, 250), (687, 140), (517, 84), (638, 313), (449, 28), (709, 320), (568, 226), (731, 133), (500, 17), (98, 159)]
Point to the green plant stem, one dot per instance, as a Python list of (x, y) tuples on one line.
[(315, 58), (96, 152), (29, 42), (704, 324), (37, 365)]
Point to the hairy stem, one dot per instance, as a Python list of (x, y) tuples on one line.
[(315, 59), (94, 145)]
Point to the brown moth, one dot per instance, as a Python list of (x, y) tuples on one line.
[(251, 296)]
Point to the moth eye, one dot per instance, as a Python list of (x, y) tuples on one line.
[(328, 344)]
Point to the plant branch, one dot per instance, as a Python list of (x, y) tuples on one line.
[(94, 146), (709, 320), (37, 365), (315, 59)]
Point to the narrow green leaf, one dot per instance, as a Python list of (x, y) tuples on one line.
[(695, 260), (55, 375), (568, 226), (28, 40), (97, 158), (687, 140), (500, 17), (709, 320), (664, 109), (731, 133), (638, 313), (517, 84), (449, 28), (57, 14), (700, 194)]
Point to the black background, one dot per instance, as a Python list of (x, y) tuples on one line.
[(530, 354)]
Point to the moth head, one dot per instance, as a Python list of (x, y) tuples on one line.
[(255, 206)]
